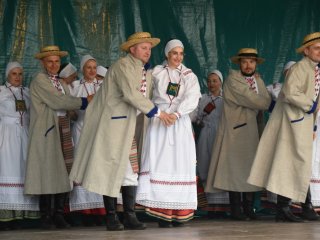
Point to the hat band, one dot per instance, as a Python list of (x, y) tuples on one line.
[(248, 55), (137, 38), (50, 51), (311, 40)]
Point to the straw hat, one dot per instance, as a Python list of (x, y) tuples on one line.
[(139, 37), (50, 51), (247, 53), (309, 40)]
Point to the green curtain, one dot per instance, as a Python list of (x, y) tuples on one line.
[(211, 30)]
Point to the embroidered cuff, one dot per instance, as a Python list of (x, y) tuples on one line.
[(313, 108), (271, 106), (84, 103), (152, 113), (178, 115)]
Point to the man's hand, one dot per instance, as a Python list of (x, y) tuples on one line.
[(90, 97)]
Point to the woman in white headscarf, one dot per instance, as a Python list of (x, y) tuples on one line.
[(167, 181), (14, 123), (90, 204), (207, 116)]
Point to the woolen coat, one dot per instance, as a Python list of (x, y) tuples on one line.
[(237, 137), (283, 160), (46, 170), (109, 127)]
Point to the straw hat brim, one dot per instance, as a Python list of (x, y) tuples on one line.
[(126, 45), (300, 49), (236, 59), (51, 53)]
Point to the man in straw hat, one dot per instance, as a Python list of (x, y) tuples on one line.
[(283, 161), (102, 160), (50, 152), (238, 135)]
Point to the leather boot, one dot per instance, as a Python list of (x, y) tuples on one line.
[(112, 220), (308, 211), (235, 205), (130, 220), (59, 202), (283, 211), (248, 210), (46, 210)]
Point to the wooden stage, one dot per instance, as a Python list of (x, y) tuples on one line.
[(210, 229)]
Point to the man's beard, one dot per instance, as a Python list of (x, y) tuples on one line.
[(248, 74)]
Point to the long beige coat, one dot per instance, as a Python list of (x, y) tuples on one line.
[(282, 164), (109, 126), (46, 170), (237, 138)]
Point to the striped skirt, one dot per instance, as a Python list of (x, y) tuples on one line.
[(66, 141)]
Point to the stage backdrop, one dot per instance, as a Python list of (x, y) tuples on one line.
[(211, 30)]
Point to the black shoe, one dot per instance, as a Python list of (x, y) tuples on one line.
[(113, 223), (178, 224), (249, 212), (164, 224), (47, 223), (284, 214), (309, 213), (130, 221), (60, 222)]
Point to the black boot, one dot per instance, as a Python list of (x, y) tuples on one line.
[(308, 211), (235, 205), (46, 203), (283, 211), (248, 210), (112, 220), (130, 220), (59, 202)]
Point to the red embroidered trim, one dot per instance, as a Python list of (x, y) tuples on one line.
[(11, 185), (167, 182), (172, 183), (315, 180)]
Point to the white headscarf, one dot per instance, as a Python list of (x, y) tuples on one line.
[(288, 65), (171, 45), (85, 59), (217, 72), (12, 65), (102, 71), (67, 71)]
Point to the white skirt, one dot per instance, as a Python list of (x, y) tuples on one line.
[(13, 154), (167, 177)]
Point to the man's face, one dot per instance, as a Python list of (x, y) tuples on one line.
[(248, 66), (313, 52), (142, 51), (51, 64)]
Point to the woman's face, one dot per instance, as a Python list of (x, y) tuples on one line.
[(15, 77), (90, 70), (175, 57), (214, 83)]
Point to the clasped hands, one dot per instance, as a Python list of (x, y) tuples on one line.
[(167, 119)]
